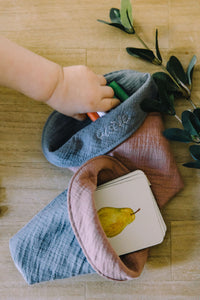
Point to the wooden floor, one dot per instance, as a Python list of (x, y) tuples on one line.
[(67, 32)]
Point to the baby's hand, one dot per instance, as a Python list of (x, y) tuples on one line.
[(79, 90)]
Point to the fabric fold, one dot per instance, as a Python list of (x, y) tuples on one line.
[(46, 248), (87, 227), (58, 243), (69, 143)]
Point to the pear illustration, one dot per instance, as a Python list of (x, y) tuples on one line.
[(114, 220)]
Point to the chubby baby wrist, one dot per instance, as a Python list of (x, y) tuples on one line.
[(57, 79)]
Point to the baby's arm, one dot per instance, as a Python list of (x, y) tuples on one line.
[(70, 90)]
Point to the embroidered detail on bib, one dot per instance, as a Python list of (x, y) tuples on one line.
[(113, 126)]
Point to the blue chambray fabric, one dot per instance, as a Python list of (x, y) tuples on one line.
[(67, 142), (46, 248)]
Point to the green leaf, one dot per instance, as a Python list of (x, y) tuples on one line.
[(120, 26), (115, 18), (192, 164), (177, 134), (113, 24), (164, 103), (166, 80), (115, 15), (190, 69), (195, 121), (157, 47), (156, 106), (171, 109), (166, 98), (188, 125), (175, 68), (197, 112), (144, 54), (126, 14), (152, 106), (195, 152)]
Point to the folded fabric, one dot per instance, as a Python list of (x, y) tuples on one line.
[(148, 150), (122, 133), (51, 246), (69, 143), (46, 248), (86, 225)]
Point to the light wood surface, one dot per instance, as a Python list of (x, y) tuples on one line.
[(67, 32)]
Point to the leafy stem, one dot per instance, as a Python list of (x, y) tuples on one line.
[(192, 103), (182, 87), (172, 82), (143, 43), (177, 117)]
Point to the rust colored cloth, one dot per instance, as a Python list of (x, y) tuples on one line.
[(148, 150), (86, 225)]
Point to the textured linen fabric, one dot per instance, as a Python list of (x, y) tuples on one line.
[(69, 143), (148, 150), (47, 247), (54, 245), (82, 214)]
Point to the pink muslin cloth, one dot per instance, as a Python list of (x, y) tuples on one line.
[(147, 150)]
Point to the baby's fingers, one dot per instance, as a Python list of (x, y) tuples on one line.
[(107, 92), (102, 80), (107, 104)]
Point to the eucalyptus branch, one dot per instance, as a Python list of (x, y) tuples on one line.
[(168, 73), (143, 43), (192, 103), (177, 117)]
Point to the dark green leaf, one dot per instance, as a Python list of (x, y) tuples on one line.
[(116, 21), (113, 24), (171, 109), (175, 68), (145, 54), (164, 103), (151, 106), (166, 80), (195, 121), (167, 99), (115, 15), (193, 164), (126, 14), (188, 126), (177, 134), (118, 26), (197, 113), (154, 106), (157, 47), (195, 152), (190, 69)]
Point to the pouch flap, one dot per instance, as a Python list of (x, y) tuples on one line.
[(69, 143), (86, 225)]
